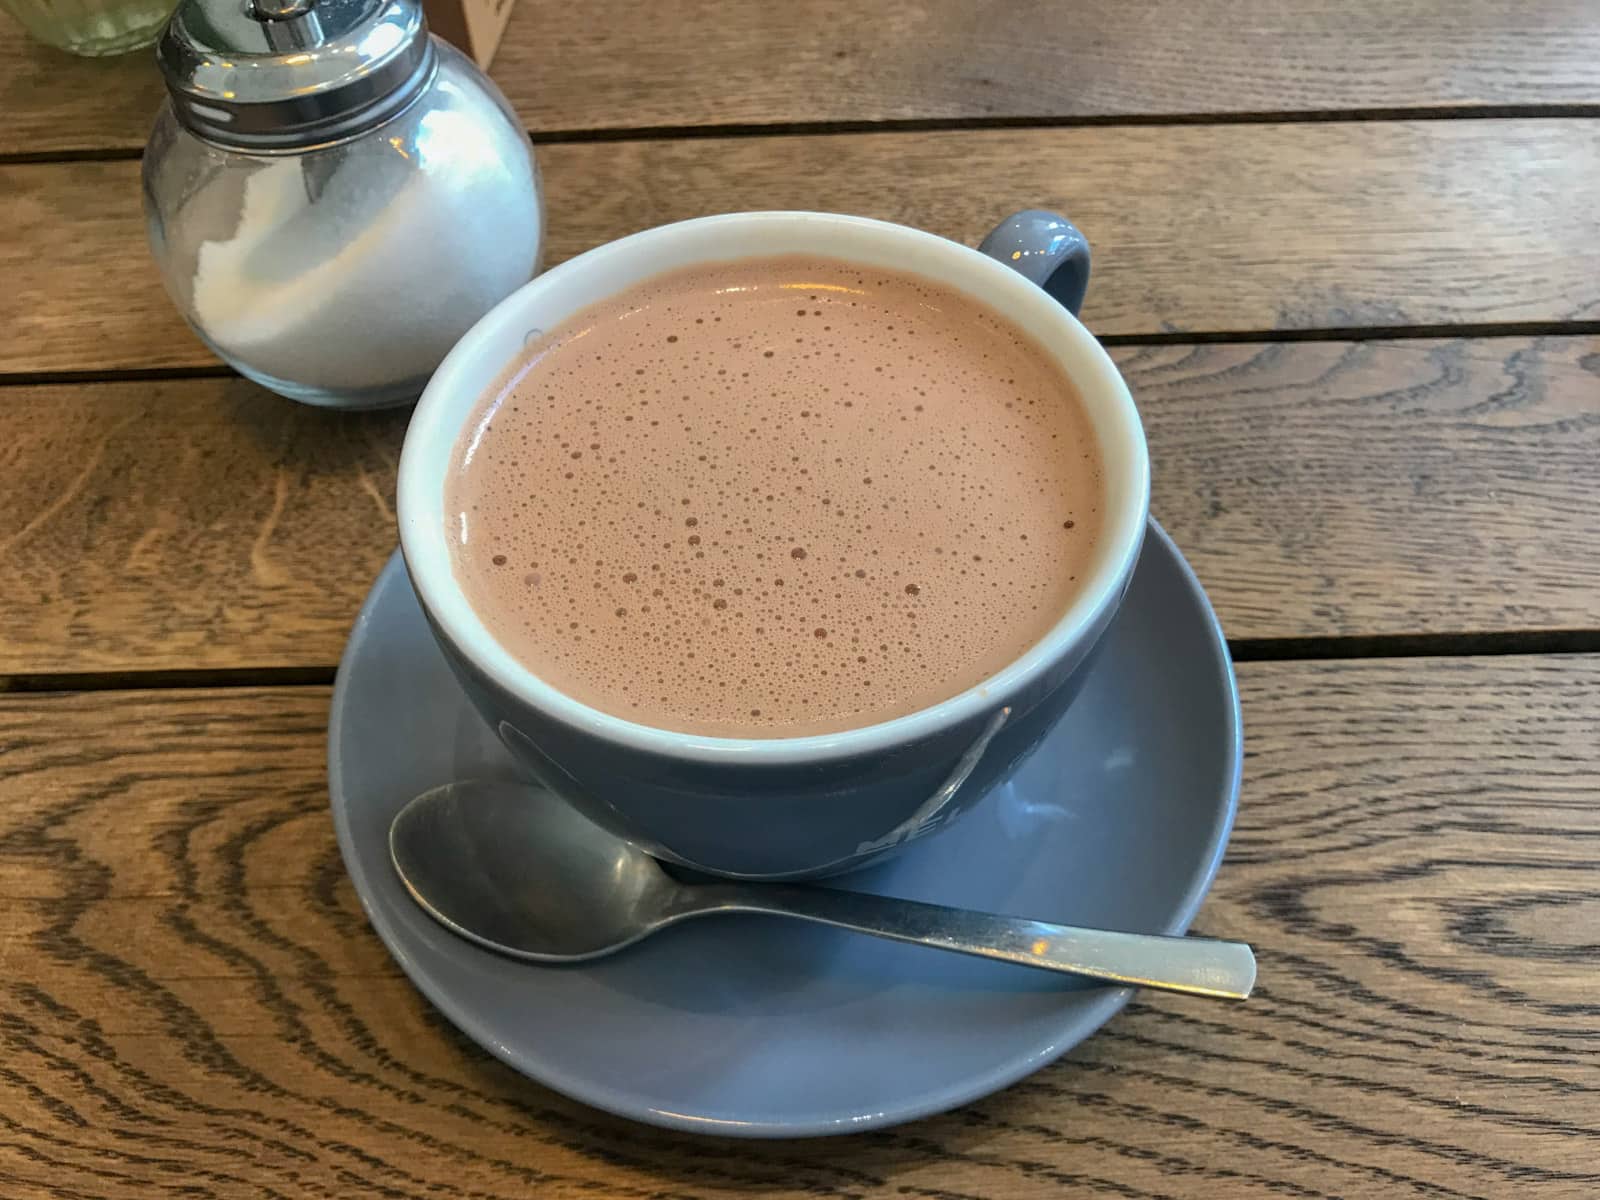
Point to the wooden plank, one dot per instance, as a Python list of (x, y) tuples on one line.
[(820, 60), (1320, 489), (1209, 228), (194, 524), (1383, 487), (191, 992), (625, 64), (81, 291), (55, 102)]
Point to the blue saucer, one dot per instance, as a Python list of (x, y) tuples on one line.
[(760, 1027)]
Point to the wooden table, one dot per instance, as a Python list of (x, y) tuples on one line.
[(1348, 255)]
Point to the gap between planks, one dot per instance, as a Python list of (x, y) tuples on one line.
[(661, 133), (1358, 333), (1243, 650)]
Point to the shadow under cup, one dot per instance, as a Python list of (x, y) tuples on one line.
[(772, 808)]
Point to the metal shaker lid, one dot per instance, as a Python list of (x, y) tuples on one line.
[(288, 74)]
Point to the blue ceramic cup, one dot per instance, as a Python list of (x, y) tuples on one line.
[(783, 808)]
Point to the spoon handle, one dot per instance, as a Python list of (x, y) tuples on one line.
[(1196, 966)]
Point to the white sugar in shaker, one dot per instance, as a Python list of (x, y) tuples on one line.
[(333, 195)]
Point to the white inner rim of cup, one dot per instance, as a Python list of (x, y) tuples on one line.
[(482, 356)]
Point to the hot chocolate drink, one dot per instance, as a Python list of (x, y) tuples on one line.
[(775, 497)]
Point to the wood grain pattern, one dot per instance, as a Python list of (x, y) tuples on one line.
[(823, 60), (1402, 487), (193, 524), (1319, 488), (57, 102), (193, 1003), (1205, 228), (81, 291)]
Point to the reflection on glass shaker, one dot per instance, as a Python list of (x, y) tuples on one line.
[(334, 197)]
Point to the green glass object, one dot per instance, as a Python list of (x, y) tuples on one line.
[(92, 27)]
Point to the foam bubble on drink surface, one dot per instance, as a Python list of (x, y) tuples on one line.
[(775, 497)]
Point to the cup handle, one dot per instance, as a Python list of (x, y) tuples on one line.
[(1047, 249)]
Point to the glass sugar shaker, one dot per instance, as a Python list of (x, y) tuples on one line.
[(333, 195)]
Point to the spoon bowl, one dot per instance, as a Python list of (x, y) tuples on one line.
[(517, 869)]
